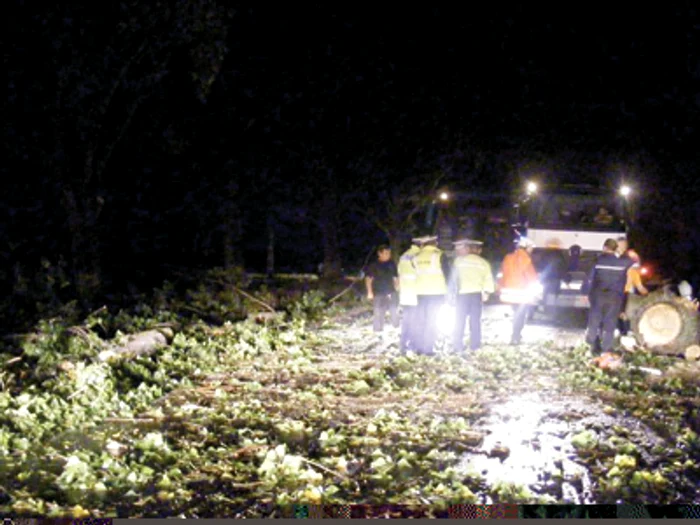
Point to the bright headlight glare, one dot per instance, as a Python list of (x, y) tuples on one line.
[(536, 289), (446, 319)]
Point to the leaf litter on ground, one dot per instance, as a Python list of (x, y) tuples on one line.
[(291, 411)]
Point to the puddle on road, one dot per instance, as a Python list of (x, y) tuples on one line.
[(528, 445)]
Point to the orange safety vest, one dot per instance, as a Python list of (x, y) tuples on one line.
[(634, 279), (518, 283)]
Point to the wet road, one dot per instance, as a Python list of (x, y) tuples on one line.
[(530, 432)]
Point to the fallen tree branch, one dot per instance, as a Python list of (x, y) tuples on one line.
[(246, 295), (98, 311), (325, 469), (338, 296), (246, 486), (192, 309), (254, 299), (130, 420)]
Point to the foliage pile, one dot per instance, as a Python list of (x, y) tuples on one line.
[(228, 420), (250, 412)]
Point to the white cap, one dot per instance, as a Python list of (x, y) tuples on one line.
[(424, 239), (524, 242), (467, 242), (685, 289)]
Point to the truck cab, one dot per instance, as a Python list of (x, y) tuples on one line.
[(569, 225)]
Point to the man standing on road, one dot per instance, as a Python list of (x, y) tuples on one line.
[(432, 269), (471, 282), (408, 299), (519, 285), (382, 282), (606, 290)]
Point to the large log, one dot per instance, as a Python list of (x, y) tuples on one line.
[(141, 343), (692, 353)]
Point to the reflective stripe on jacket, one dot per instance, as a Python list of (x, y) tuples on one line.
[(473, 274), (430, 277), (530, 295)]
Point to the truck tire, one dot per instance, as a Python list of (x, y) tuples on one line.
[(665, 324)]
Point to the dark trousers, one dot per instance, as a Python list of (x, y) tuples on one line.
[(467, 305), (629, 307), (622, 321), (520, 314), (408, 328), (382, 303), (602, 320), (426, 325)]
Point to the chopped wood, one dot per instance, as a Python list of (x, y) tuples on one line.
[(264, 317), (248, 451), (692, 353), (142, 343)]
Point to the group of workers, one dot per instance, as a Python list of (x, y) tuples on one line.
[(425, 280)]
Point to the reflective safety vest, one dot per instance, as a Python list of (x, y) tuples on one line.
[(407, 277), (530, 295), (430, 278), (634, 279), (474, 274), (519, 283)]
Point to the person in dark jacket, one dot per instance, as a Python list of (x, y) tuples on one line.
[(606, 291), (382, 282)]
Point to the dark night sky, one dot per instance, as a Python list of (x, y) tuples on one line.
[(623, 80), (325, 109)]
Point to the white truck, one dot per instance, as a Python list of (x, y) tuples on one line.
[(569, 225)]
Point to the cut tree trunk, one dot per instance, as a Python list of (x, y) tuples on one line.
[(139, 344), (692, 353)]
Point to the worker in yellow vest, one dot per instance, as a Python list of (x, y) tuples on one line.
[(408, 299), (471, 283), (432, 270)]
